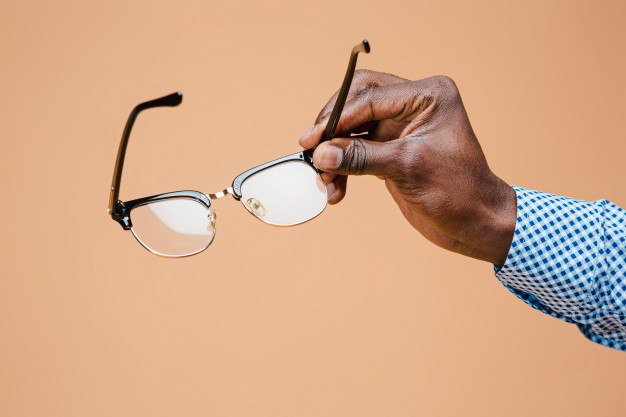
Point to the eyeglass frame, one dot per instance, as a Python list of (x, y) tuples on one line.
[(120, 210)]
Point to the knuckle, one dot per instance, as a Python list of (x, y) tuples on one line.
[(447, 86), (321, 116), (367, 93), (355, 157), (445, 82), (367, 98), (409, 159), (361, 74), (364, 78), (325, 112)]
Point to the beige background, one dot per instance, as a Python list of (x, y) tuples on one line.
[(353, 314)]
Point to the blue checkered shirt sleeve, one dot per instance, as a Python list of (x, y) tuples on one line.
[(568, 260)]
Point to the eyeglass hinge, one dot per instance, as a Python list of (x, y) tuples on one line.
[(307, 156), (120, 215)]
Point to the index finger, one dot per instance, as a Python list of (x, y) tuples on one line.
[(363, 79)]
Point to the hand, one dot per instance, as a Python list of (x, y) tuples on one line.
[(419, 140)]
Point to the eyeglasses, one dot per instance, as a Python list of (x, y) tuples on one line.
[(284, 192)]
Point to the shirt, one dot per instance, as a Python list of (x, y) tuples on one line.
[(568, 259)]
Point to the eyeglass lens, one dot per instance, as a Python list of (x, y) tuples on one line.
[(175, 227), (285, 194)]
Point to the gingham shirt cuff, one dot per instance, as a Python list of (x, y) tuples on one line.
[(568, 260)]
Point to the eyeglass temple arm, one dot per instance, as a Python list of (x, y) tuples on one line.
[(171, 100), (335, 115)]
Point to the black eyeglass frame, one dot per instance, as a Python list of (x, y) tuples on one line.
[(120, 210)]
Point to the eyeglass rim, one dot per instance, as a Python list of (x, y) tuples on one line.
[(177, 195), (304, 156), (188, 194), (162, 255), (279, 162)]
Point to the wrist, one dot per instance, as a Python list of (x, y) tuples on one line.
[(501, 228)]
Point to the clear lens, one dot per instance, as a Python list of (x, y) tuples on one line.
[(285, 194), (175, 227)]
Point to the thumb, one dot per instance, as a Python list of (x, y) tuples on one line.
[(356, 156)]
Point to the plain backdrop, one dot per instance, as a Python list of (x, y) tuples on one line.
[(352, 314)]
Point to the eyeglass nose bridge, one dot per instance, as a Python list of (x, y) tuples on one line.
[(222, 194)]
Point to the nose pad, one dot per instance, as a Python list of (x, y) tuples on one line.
[(212, 219), (255, 207)]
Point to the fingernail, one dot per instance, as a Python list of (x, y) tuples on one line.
[(330, 190), (331, 157)]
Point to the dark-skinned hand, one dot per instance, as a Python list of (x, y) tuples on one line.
[(416, 136)]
